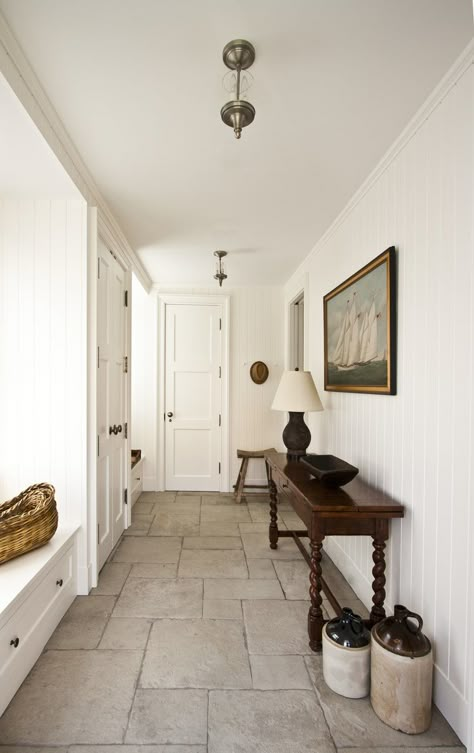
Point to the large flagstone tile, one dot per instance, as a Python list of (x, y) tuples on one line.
[(218, 499), (244, 588), (148, 549), (224, 513), (83, 624), (111, 579), (123, 633), (121, 749), (202, 563), (222, 609), (276, 627), (267, 722), (196, 654), (190, 504), (261, 569), (294, 578), (154, 570), (175, 717), (143, 506), (73, 697), (257, 546), (152, 598), (140, 525), (212, 542), (353, 722), (219, 529), (167, 523), (279, 673)]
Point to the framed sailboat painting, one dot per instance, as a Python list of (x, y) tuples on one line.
[(360, 330)]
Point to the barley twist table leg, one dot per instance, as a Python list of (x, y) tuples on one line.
[(315, 614), (273, 529), (378, 584)]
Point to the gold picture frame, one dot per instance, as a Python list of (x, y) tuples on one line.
[(360, 330)]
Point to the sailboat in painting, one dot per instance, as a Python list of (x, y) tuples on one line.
[(358, 338), (359, 330)]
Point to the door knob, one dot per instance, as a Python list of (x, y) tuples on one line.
[(119, 428), (15, 642), (170, 416), (115, 429)]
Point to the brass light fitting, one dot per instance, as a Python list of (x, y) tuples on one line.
[(238, 55), (220, 274)]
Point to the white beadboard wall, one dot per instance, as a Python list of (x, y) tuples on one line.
[(43, 335), (417, 445), (256, 334)]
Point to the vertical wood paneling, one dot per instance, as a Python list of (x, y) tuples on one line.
[(43, 373), (418, 444)]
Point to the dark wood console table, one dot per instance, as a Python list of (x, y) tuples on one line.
[(356, 509)]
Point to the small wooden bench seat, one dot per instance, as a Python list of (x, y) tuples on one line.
[(240, 485)]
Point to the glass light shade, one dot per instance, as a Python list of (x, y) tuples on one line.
[(297, 393)]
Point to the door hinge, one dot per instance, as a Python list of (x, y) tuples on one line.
[(125, 430), (220, 372), (98, 531), (219, 468), (220, 419), (125, 496), (125, 364), (220, 323), (98, 445), (98, 269), (125, 298), (98, 356)]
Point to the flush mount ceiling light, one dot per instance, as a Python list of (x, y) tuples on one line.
[(220, 275), (238, 55)]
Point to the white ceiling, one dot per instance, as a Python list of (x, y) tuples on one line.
[(28, 167), (138, 85)]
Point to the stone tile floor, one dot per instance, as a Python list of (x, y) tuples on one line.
[(195, 641)]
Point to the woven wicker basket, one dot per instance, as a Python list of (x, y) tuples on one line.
[(27, 521)]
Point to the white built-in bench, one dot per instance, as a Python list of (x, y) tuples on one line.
[(36, 590)]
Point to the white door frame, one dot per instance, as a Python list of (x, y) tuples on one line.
[(196, 300)]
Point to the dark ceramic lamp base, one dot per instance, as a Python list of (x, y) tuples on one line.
[(296, 436)]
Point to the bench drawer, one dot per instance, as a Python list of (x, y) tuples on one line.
[(24, 635)]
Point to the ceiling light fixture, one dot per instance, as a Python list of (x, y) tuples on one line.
[(220, 274), (238, 55)]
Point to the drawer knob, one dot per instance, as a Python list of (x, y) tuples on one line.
[(59, 582), (15, 642)]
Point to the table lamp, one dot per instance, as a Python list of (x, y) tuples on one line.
[(298, 395)]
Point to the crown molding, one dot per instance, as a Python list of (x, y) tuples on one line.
[(27, 87), (457, 70)]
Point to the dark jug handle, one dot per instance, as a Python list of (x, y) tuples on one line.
[(356, 620), (416, 617)]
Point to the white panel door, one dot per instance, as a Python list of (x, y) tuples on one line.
[(193, 397), (111, 465)]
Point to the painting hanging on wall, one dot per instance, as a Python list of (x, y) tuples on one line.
[(360, 330)]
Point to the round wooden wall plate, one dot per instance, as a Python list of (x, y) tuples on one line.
[(259, 372)]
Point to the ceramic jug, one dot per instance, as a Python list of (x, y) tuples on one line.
[(402, 672), (346, 655)]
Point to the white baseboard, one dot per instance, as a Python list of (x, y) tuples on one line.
[(455, 707), (84, 580), (354, 577)]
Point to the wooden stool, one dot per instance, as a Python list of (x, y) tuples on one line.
[(241, 485)]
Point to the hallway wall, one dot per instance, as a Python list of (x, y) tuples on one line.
[(256, 333), (43, 332), (417, 445)]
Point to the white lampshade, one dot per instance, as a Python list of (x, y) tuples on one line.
[(297, 393)]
